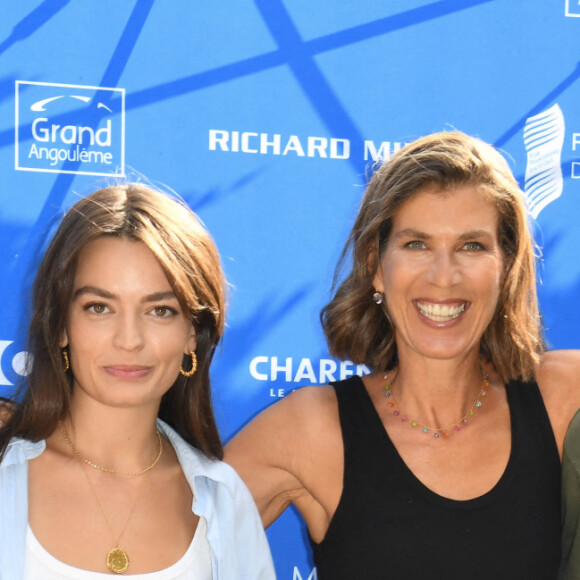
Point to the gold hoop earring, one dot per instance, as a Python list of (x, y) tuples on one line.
[(191, 371), (66, 360)]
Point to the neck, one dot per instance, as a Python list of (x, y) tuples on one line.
[(121, 439), (437, 391)]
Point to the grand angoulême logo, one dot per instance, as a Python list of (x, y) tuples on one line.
[(69, 129), (572, 8), (544, 139)]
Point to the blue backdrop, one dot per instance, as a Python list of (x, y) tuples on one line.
[(266, 116)]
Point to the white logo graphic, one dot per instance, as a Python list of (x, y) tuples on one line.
[(263, 368), (19, 362), (266, 144), (543, 139), (69, 129), (384, 152), (573, 8), (295, 146), (297, 576)]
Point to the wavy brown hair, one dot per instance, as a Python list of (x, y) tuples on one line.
[(359, 330), (191, 263)]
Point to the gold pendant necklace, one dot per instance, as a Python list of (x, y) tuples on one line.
[(118, 561), (117, 558)]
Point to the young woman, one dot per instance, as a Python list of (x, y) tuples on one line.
[(111, 462)]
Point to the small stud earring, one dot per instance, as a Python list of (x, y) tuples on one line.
[(378, 297)]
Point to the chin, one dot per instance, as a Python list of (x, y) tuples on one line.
[(445, 351)]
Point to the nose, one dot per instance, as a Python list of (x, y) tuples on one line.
[(128, 332), (444, 270)]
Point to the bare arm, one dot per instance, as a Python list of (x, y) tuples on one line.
[(262, 454), (292, 453)]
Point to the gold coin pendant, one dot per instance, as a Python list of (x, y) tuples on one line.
[(117, 561)]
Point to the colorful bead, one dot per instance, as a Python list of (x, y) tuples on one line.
[(443, 431)]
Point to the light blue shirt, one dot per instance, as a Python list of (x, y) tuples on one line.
[(238, 544)]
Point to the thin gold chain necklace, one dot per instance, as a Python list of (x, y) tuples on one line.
[(117, 558), (106, 469), (438, 431)]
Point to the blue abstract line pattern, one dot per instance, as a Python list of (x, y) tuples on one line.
[(64, 181), (292, 52), (539, 107)]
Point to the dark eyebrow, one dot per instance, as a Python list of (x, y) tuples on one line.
[(476, 234), (158, 296), (93, 290), (155, 297), (411, 233)]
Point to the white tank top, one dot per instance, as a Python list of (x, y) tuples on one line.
[(195, 563)]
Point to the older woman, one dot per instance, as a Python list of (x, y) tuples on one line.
[(110, 464), (444, 462)]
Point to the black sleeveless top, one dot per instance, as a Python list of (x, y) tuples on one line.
[(388, 525)]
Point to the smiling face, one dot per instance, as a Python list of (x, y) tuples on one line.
[(441, 272), (126, 330)]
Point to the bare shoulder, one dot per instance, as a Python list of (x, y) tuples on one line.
[(311, 405), (561, 360), (558, 377), (284, 426), (559, 372)]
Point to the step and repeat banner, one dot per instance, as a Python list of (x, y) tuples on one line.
[(267, 117)]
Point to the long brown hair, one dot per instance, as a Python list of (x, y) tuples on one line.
[(357, 329), (191, 263)]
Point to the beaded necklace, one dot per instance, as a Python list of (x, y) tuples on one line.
[(438, 431)]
